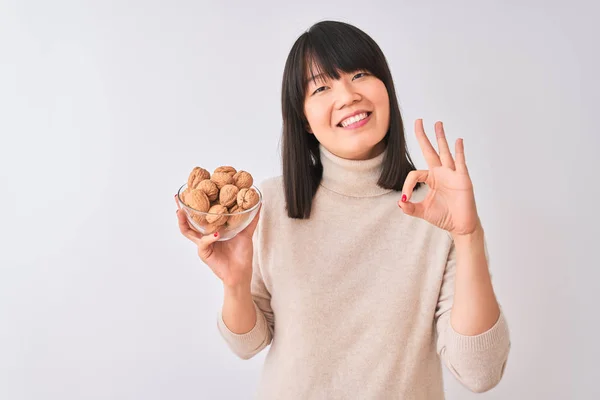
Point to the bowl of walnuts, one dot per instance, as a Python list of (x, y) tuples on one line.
[(225, 201)]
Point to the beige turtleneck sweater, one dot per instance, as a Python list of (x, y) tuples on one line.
[(355, 302)]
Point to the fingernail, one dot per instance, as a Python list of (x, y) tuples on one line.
[(216, 234), (404, 198)]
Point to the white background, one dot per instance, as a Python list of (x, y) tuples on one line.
[(105, 107)]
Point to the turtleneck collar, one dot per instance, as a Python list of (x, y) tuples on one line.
[(353, 178)]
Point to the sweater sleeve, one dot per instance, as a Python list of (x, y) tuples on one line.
[(478, 361), (248, 344)]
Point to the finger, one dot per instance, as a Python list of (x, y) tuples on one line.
[(461, 165), (184, 225), (413, 209), (411, 181), (249, 230), (205, 246), (185, 229), (445, 155), (431, 156)]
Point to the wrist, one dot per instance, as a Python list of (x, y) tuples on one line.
[(476, 234), (237, 291)]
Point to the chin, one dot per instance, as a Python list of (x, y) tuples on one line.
[(356, 152), (362, 147)]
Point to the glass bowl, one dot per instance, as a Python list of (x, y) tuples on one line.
[(235, 223)]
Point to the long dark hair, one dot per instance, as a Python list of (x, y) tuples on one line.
[(331, 47)]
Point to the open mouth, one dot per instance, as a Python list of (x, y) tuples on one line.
[(355, 121)]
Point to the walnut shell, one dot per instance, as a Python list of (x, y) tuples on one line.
[(243, 179), (198, 200), (237, 218), (183, 196), (197, 175), (217, 219), (228, 195), (247, 198), (221, 179), (210, 228), (210, 188), (227, 169), (199, 219)]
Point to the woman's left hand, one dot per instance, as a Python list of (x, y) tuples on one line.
[(450, 202)]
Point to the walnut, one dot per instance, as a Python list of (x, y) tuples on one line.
[(210, 228), (227, 169), (183, 195), (196, 176), (198, 200), (221, 179), (243, 179), (210, 188), (247, 198), (214, 218), (199, 219), (237, 218), (228, 195)]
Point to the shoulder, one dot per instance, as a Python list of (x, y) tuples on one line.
[(271, 189), (273, 196), (271, 185), (272, 212)]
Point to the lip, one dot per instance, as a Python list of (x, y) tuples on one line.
[(358, 124), (352, 115)]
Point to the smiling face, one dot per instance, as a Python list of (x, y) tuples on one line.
[(359, 95)]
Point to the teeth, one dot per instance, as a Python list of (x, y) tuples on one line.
[(354, 119)]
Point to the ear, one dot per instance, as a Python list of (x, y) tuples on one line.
[(307, 125)]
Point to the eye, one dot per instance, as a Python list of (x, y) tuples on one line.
[(358, 75), (319, 90)]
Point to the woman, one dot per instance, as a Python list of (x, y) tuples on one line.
[(362, 273)]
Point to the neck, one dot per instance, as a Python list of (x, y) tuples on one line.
[(353, 178), (372, 153)]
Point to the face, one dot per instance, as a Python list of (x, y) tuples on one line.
[(329, 103)]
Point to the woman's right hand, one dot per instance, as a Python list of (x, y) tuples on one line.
[(230, 260)]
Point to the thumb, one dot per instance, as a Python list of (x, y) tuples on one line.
[(412, 209), (205, 245)]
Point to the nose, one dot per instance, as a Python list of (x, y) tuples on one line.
[(346, 95)]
